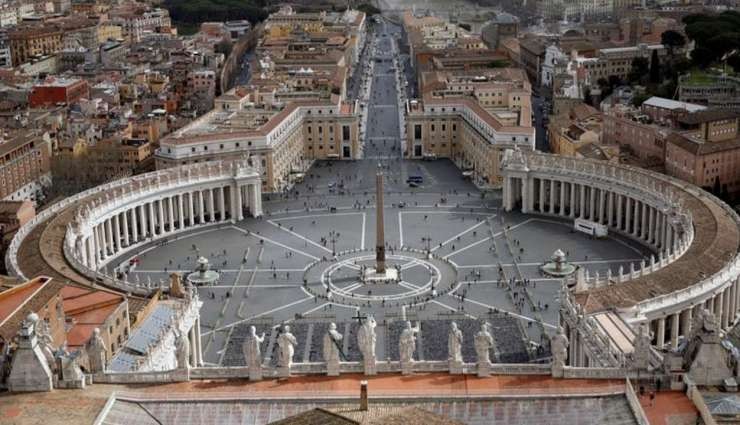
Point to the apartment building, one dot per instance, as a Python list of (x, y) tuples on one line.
[(706, 151), (284, 139), (25, 168), (31, 41), (471, 118)]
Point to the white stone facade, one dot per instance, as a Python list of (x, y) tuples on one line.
[(649, 208), (114, 218)]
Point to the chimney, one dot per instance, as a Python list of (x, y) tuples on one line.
[(363, 395)]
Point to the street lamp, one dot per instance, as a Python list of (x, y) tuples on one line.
[(333, 236), (428, 241)]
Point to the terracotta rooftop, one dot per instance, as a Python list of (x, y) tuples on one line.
[(20, 301), (88, 309), (716, 242)]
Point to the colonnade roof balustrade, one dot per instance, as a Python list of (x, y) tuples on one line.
[(709, 263), (38, 248)]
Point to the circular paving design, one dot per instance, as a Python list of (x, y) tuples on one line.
[(422, 277)]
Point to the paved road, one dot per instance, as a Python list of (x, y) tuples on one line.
[(382, 139)]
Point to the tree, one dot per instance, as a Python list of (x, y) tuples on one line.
[(369, 9), (702, 57), (672, 39), (655, 68), (638, 99), (640, 67)]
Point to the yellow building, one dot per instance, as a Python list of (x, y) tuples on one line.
[(109, 31), (27, 42)]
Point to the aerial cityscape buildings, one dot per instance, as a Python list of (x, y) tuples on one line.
[(440, 212)]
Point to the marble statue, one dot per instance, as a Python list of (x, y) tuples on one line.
[(366, 339), (286, 344), (182, 350), (559, 348), (483, 344), (97, 353), (46, 342), (454, 345), (332, 350), (252, 353), (407, 343), (641, 348)]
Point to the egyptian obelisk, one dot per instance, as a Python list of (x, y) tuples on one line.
[(379, 229)]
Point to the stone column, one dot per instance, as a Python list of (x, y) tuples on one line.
[(562, 199), (552, 196), (180, 211), (542, 196), (619, 212), (257, 198), (602, 206), (116, 233), (644, 223), (87, 257), (211, 206), (171, 212), (201, 208), (144, 216), (725, 308), (151, 218), (572, 203), (627, 214), (109, 248), (582, 200), (126, 239), (94, 248), (592, 203), (221, 204), (674, 330), (507, 194), (610, 209), (160, 216), (686, 322), (718, 307), (134, 222), (660, 341), (191, 208), (236, 203), (666, 229), (636, 224)]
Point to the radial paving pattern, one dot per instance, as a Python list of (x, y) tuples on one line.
[(278, 268)]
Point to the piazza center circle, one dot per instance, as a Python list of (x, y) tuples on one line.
[(415, 277)]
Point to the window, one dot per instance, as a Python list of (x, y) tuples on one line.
[(345, 132), (417, 131)]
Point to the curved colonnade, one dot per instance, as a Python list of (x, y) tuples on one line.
[(694, 237), (79, 236)]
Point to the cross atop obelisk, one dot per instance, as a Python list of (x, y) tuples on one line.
[(379, 226)]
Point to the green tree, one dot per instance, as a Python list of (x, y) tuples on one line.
[(640, 67), (702, 56), (655, 68), (672, 40), (638, 99)]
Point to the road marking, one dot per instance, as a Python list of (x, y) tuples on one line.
[(458, 235), (466, 247), (230, 325), (400, 229), (511, 313), (298, 236), (278, 243)]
